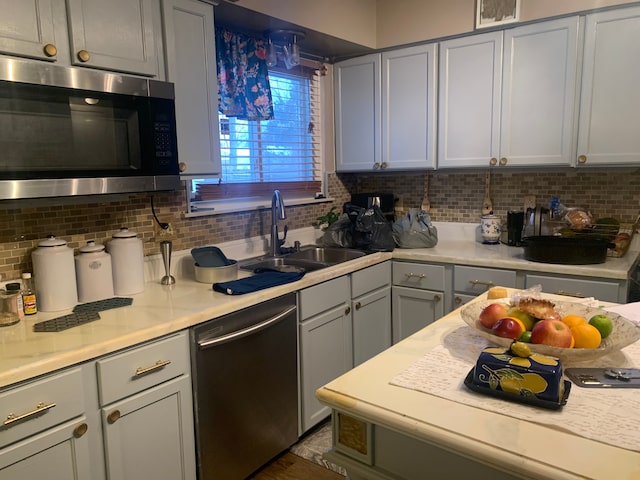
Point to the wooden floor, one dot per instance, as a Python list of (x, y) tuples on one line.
[(293, 467)]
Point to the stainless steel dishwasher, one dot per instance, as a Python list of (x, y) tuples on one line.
[(245, 388)]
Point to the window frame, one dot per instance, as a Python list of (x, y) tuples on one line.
[(243, 196)]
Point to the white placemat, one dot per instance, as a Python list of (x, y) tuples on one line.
[(610, 416)]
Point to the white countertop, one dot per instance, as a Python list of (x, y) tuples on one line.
[(534, 450), (161, 310)]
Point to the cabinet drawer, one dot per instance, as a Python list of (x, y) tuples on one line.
[(474, 280), (143, 367), (370, 279), (324, 296), (419, 275), (41, 404), (606, 291)]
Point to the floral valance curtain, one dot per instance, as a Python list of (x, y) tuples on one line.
[(243, 78)]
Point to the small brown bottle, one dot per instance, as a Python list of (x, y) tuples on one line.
[(29, 295)]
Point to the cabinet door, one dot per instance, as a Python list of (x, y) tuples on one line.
[(191, 65), (60, 453), (539, 93), (357, 113), (26, 27), (371, 325), (408, 108), (469, 100), (608, 127), (116, 35), (414, 309), (151, 435), (326, 352)]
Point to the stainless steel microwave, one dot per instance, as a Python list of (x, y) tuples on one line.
[(74, 131)]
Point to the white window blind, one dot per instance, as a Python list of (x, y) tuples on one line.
[(284, 153)]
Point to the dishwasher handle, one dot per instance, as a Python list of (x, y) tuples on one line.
[(212, 342)]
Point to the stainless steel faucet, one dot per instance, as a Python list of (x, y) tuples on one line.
[(277, 213)]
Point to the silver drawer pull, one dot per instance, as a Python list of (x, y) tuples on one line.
[(487, 283), (569, 294), (156, 366), (40, 408), (413, 275)]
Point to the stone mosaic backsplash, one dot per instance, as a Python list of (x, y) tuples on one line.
[(454, 197)]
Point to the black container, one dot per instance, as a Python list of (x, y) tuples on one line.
[(565, 250)]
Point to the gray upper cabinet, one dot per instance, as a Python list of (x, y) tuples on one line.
[(608, 127), (408, 108), (524, 118), (190, 59), (469, 100), (26, 29), (116, 35), (385, 110), (119, 35), (358, 113)]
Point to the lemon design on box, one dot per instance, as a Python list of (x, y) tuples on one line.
[(518, 372)]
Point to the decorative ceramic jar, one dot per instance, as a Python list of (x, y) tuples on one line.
[(490, 227)]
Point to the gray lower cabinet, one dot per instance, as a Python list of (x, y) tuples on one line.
[(47, 433), (417, 296), (147, 412), (371, 311), (131, 412), (343, 322), (326, 350)]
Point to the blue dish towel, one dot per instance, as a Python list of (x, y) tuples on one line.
[(256, 282)]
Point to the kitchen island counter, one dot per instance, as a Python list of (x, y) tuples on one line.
[(407, 433)]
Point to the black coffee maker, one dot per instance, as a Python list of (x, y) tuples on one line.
[(515, 223)]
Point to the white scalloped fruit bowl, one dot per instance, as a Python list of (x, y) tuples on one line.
[(625, 332)]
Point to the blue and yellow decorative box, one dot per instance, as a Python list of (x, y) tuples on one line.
[(534, 379)]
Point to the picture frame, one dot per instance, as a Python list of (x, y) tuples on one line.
[(491, 13)]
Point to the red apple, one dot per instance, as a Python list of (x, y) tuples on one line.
[(551, 332), (508, 327), (492, 313)]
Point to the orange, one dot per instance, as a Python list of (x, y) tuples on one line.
[(573, 320), (573, 342), (586, 336)]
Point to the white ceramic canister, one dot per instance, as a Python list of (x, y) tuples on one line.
[(55, 273), (127, 262), (93, 273)]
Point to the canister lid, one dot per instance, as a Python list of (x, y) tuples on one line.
[(91, 247), (124, 233), (52, 241), (13, 287)]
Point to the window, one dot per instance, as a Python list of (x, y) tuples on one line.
[(283, 153)]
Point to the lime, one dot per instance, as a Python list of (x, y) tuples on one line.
[(525, 337), (603, 324)]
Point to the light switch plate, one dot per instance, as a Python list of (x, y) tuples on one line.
[(529, 202)]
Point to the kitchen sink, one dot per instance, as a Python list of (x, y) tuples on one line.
[(327, 255), (307, 259)]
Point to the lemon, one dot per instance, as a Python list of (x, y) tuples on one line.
[(520, 349)]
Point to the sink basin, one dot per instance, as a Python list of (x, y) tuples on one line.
[(283, 264), (307, 259), (327, 255)]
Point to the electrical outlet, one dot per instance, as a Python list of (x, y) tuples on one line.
[(163, 233), (529, 202)]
